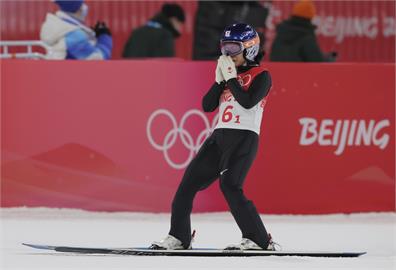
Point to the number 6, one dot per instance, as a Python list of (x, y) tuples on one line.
[(227, 115)]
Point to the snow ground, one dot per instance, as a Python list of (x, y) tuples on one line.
[(374, 233)]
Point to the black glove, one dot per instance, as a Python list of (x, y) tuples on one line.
[(101, 28)]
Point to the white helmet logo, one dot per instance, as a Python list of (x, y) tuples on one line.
[(227, 33)]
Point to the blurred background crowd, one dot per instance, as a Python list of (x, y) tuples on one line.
[(291, 31)]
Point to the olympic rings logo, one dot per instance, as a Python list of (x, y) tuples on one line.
[(178, 131)]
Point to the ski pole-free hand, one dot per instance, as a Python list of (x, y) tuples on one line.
[(219, 76), (227, 67)]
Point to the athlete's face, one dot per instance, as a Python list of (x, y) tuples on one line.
[(238, 59)]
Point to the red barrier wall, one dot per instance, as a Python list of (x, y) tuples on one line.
[(116, 136)]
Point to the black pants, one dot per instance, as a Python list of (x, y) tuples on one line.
[(227, 154)]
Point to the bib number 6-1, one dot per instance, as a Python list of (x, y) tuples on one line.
[(228, 116)]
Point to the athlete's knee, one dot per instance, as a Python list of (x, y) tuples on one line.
[(230, 189), (188, 187)]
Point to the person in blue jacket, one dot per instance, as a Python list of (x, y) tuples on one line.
[(69, 38)]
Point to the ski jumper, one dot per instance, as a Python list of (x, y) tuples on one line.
[(227, 154)]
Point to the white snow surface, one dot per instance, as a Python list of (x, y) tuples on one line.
[(374, 233)]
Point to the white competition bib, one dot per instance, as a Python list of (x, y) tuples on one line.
[(233, 115)]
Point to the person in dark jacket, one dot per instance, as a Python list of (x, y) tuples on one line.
[(156, 37), (295, 39)]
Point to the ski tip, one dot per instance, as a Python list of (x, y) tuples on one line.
[(39, 246)]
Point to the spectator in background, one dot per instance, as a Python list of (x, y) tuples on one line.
[(295, 39), (156, 37), (213, 16), (68, 36)]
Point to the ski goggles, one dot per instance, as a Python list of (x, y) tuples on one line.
[(233, 48)]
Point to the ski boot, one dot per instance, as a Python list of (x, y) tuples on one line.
[(171, 243), (247, 244)]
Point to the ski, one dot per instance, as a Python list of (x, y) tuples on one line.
[(203, 252)]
